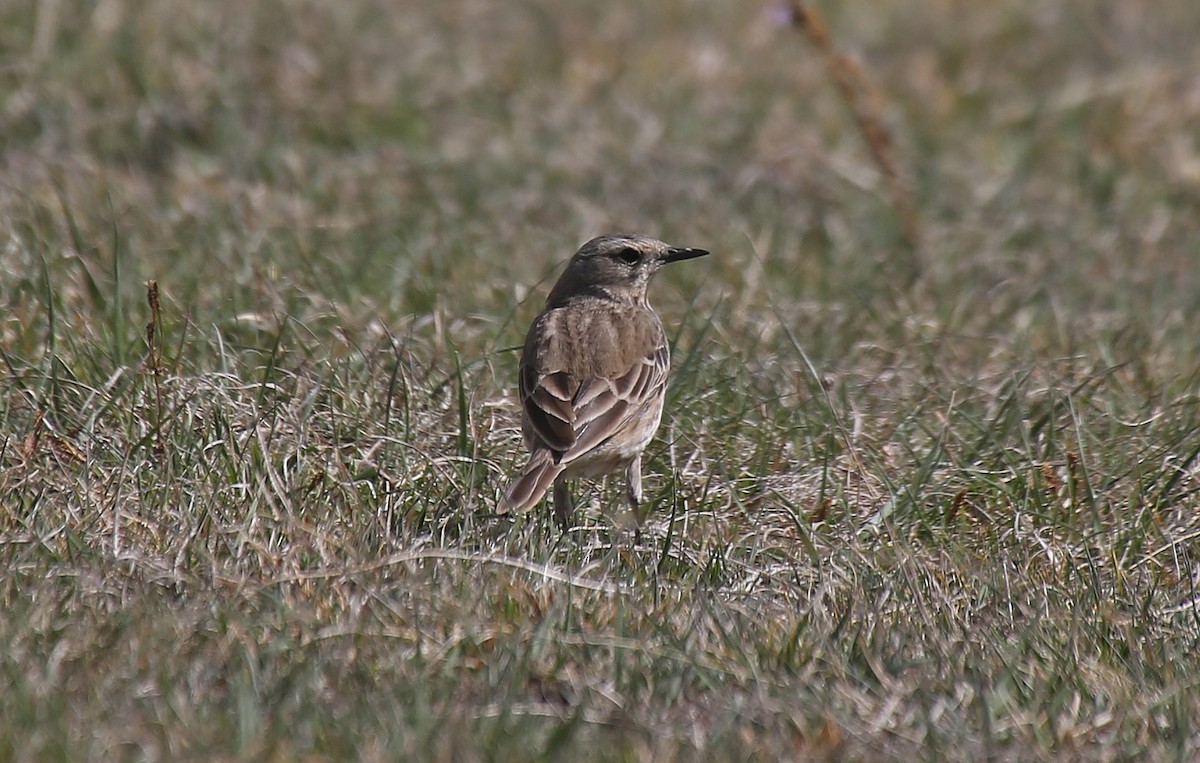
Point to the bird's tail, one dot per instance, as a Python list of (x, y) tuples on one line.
[(531, 484)]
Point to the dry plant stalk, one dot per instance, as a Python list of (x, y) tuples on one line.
[(864, 101), (33, 436), (956, 505), (59, 445), (820, 512), (1075, 475), (154, 358)]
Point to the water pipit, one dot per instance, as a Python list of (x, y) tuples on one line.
[(593, 373)]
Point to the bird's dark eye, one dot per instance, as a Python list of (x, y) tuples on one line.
[(629, 256)]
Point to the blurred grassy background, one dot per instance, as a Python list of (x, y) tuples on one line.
[(947, 519)]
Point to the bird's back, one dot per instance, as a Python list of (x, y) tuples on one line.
[(592, 337)]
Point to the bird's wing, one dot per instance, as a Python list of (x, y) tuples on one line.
[(604, 405), (570, 407), (549, 408)]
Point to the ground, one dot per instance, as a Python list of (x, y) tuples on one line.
[(928, 482)]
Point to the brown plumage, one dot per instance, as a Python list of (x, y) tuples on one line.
[(593, 372)]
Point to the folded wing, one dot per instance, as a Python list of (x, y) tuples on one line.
[(571, 412)]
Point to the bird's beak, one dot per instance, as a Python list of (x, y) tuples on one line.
[(677, 253)]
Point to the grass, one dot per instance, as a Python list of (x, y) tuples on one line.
[(955, 518)]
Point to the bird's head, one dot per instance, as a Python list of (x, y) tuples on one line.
[(618, 266)]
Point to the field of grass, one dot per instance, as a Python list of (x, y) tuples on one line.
[(911, 500)]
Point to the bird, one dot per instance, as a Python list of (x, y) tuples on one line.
[(593, 373)]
